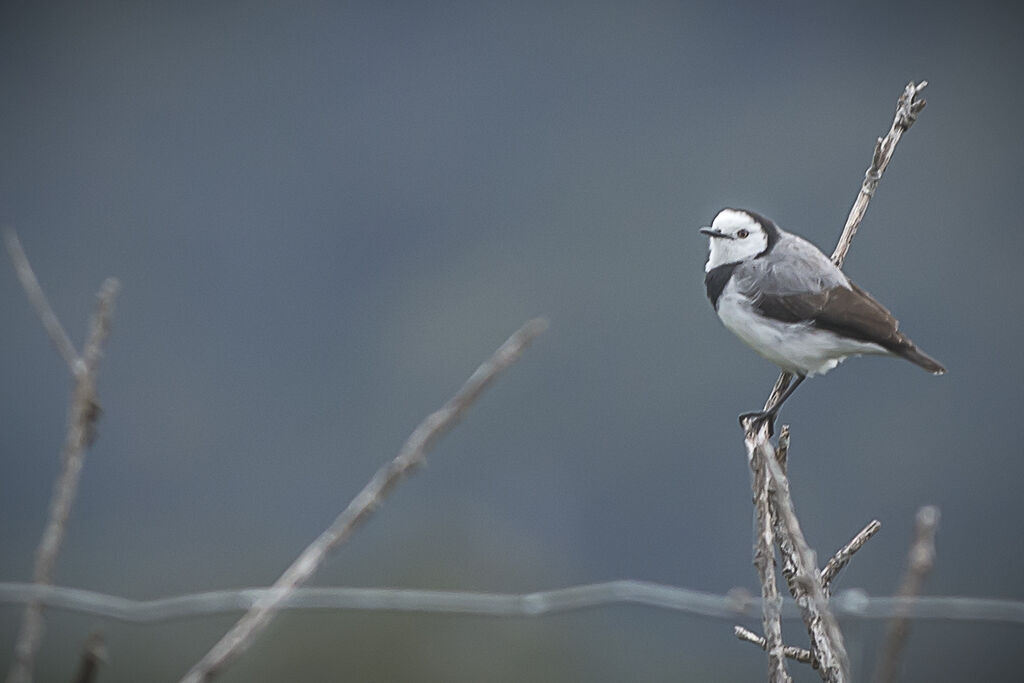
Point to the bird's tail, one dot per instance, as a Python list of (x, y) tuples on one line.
[(919, 357)]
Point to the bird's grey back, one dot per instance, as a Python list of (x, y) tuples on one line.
[(792, 266)]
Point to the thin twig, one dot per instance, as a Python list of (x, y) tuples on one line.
[(798, 653), (919, 564), (38, 300), (845, 554), (907, 109), (826, 638), (411, 455), (81, 432)]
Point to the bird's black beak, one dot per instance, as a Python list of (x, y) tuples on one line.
[(712, 232)]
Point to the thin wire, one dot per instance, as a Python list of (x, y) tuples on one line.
[(849, 603)]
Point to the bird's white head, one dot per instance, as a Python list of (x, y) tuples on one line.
[(737, 235)]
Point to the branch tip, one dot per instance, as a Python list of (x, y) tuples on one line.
[(37, 298)]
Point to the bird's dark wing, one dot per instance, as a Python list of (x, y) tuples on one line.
[(850, 312)]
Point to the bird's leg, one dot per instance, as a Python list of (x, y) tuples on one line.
[(773, 410), (785, 394)]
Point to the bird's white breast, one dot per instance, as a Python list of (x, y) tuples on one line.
[(796, 347)]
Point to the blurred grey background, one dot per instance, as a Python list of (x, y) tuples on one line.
[(325, 215)]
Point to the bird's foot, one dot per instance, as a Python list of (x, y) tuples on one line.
[(759, 416)]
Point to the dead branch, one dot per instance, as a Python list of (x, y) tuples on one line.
[(807, 585), (845, 554), (920, 561), (798, 653), (907, 109), (411, 455), (81, 432), (764, 560), (803, 577)]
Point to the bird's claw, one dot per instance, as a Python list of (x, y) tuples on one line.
[(760, 416)]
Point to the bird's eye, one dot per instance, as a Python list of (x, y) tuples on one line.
[(743, 233)]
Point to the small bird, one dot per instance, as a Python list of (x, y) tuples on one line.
[(783, 297)]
